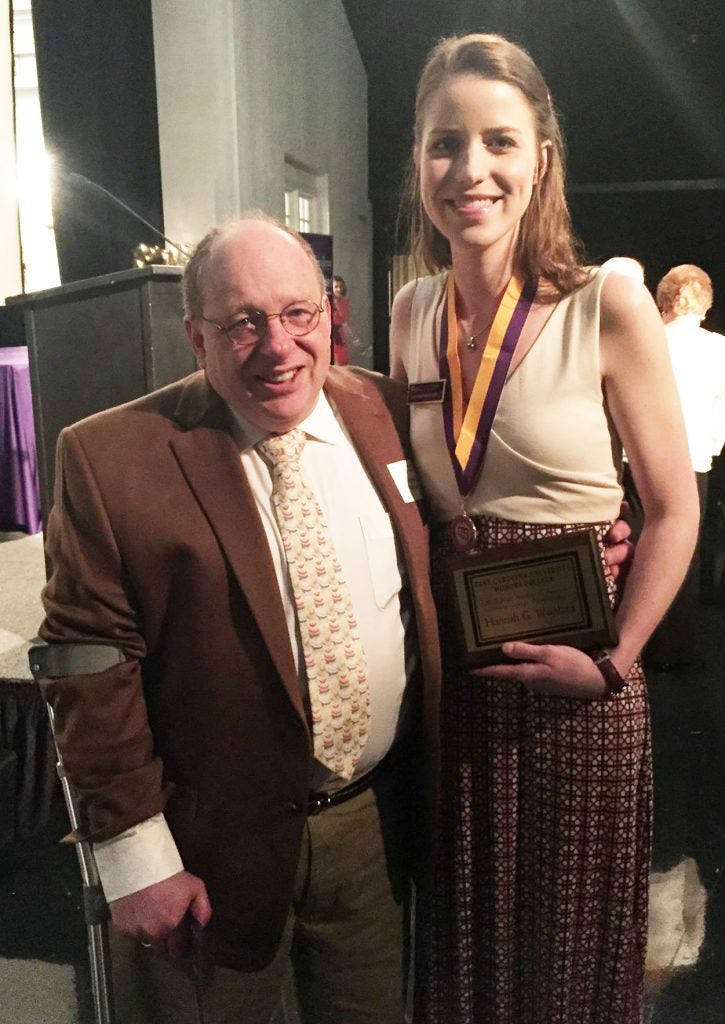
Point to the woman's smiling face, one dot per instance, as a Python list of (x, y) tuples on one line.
[(478, 161)]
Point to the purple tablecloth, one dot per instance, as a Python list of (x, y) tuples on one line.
[(19, 493)]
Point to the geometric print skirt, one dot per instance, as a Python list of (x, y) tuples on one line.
[(538, 909)]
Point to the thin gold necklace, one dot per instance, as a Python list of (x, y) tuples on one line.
[(471, 341)]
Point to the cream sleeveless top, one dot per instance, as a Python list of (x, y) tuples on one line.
[(553, 455)]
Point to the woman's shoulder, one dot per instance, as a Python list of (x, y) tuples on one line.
[(420, 293), (418, 290), (623, 297), (614, 293), (628, 316)]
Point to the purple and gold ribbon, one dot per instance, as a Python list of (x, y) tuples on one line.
[(468, 427)]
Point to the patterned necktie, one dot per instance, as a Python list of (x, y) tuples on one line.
[(333, 652)]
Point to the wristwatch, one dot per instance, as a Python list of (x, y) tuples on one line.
[(615, 682)]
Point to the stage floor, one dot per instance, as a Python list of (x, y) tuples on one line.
[(42, 931)]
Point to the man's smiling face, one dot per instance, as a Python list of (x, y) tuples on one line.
[(273, 383)]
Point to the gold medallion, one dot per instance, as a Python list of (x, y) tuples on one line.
[(463, 532)]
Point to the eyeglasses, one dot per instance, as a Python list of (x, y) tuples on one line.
[(298, 319)]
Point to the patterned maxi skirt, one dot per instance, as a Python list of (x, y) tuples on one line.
[(538, 910)]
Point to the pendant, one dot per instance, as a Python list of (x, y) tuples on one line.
[(463, 533), (471, 344)]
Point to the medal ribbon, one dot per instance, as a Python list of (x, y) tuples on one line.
[(467, 429)]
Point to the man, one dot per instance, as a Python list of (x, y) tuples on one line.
[(684, 296), (198, 758), (192, 758)]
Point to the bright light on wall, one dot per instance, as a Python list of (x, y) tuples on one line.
[(34, 165)]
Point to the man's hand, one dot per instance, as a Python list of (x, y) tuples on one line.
[(618, 550), (157, 915), (548, 668)]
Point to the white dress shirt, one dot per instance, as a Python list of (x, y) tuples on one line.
[(698, 363), (363, 537)]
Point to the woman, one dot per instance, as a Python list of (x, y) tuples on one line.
[(341, 331), (538, 910)]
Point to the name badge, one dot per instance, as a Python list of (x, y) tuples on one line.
[(426, 391)]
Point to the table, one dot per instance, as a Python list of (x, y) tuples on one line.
[(19, 490), (24, 728)]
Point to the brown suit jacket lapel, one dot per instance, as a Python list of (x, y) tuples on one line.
[(209, 459), (368, 422)]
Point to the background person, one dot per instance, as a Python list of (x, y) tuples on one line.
[(684, 296), (626, 265), (341, 331), (538, 912)]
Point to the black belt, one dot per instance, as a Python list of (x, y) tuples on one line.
[(317, 802)]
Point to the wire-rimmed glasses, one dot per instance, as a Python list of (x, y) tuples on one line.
[(298, 318)]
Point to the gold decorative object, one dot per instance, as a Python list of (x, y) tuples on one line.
[(146, 255)]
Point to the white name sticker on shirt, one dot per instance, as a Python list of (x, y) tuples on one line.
[(406, 480)]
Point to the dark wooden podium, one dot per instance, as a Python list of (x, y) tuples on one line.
[(97, 343)]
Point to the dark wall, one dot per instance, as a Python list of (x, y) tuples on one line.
[(98, 103), (641, 91), (660, 229)]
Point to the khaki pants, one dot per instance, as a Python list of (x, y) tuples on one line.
[(343, 956)]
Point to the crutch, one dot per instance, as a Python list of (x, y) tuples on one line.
[(57, 660)]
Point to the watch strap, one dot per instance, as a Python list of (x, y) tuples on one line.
[(615, 682)]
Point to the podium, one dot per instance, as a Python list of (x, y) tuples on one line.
[(98, 343)]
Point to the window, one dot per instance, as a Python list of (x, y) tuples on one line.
[(304, 208), (306, 205)]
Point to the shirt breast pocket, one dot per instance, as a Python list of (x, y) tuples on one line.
[(382, 557)]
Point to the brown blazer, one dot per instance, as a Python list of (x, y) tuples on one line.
[(156, 546)]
